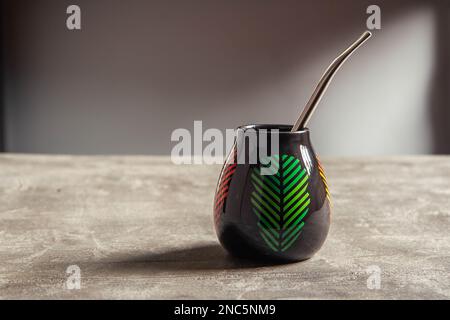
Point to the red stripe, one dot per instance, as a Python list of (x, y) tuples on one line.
[(222, 198), (219, 195), (228, 169), (224, 183), (229, 172), (225, 188), (220, 202)]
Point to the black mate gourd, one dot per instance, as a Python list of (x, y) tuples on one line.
[(284, 215)]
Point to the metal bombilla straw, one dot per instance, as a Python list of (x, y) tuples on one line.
[(322, 86)]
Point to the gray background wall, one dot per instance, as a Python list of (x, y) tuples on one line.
[(139, 69)]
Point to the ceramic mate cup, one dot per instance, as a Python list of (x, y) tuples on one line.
[(279, 216)]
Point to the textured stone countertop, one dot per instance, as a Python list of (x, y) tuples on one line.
[(140, 227)]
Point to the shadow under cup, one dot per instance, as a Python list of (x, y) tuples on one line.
[(272, 203)]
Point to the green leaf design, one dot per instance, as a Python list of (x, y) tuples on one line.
[(280, 201)]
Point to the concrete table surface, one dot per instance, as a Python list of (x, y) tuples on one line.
[(141, 227)]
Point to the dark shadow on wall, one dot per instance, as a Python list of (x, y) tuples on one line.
[(439, 100), (2, 75), (152, 55)]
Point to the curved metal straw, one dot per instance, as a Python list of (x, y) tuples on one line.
[(325, 81)]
